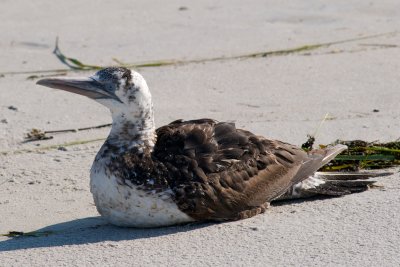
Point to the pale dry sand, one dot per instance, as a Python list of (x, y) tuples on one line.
[(282, 97)]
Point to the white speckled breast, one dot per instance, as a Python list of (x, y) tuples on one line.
[(124, 205)]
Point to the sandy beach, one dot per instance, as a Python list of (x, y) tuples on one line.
[(347, 65)]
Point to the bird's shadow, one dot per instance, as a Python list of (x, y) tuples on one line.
[(95, 230), (88, 230)]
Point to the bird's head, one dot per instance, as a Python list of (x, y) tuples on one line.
[(117, 88), (125, 93)]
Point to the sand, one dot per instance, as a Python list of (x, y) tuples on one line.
[(282, 96)]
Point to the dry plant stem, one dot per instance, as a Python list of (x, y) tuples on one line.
[(80, 129), (38, 135)]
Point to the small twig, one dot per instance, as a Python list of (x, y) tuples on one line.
[(36, 135), (39, 135), (320, 125), (381, 45), (79, 129), (33, 77)]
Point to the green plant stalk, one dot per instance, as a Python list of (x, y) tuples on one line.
[(77, 65)]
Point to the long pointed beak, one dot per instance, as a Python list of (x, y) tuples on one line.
[(83, 86)]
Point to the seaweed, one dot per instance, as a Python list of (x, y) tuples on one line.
[(28, 234), (363, 155), (74, 64), (35, 135)]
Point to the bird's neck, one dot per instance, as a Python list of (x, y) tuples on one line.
[(133, 128)]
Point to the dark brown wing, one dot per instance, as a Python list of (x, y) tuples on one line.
[(219, 172)]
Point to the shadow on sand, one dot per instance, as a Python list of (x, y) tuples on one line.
[(89, 230), (95, 229)]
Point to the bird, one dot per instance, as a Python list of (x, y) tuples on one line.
[(189, 170)]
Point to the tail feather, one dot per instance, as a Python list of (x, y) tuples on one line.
[(328, 153), (316, 159), (330, 184), (340, 188), (363, 175), (333, 184)]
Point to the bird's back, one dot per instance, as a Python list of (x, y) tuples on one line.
[(198, 170), (219, 172)]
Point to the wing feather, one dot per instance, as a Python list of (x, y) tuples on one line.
[(221, 171)]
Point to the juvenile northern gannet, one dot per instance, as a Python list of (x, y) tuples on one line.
[(187, 170)]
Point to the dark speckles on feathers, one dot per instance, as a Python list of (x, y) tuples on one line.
[(115, 74), (127, 75), (131, 98), (107, 73), (139, 168), (215, 171)]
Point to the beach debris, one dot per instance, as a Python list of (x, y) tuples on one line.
[(77, 65), (360, 155), (381, 45), (80, 129), (5, 121), (308, 145), (33, 182), (28, 234), (375, 110), (363, 155), (13, 108), (72, 63), (36, 134)]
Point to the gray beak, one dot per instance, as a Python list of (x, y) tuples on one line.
[(83, 86)]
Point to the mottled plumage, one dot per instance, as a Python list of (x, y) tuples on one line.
[(187, 170)]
